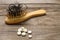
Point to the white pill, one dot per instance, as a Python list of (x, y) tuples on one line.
[(23, 34), (30, 36), (22, 27), (29, 32), (19, 30), (18, 33), (25, 30)]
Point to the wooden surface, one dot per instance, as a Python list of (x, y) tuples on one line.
[(28, 1), (44, 27)]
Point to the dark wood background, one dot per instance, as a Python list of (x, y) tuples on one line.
[(44, 27)]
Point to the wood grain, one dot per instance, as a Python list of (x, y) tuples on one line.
[(44, 28)]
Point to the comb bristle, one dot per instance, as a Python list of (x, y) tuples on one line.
[(14, 10)]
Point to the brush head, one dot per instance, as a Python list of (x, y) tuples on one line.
[(15, 10)]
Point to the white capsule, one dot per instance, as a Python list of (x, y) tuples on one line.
[(29, 32), (30, 36), (18, 33), (25, 30), (23, 34)]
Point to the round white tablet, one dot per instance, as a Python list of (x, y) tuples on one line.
[(23, 34), (20, 29), (25, 30), (30, 36), (29, 32), (18, 33)]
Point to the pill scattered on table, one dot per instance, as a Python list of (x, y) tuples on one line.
[(29, 32), (23, 34), (18, 33), (19, 30), (30, 36), (25, 30), (22, 27)]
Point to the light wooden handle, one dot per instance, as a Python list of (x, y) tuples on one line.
[(27, 16), (36, 13)]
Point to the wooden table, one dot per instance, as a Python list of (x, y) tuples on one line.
[(44, 27)]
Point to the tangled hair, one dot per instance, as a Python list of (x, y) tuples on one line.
[(14, 10)]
